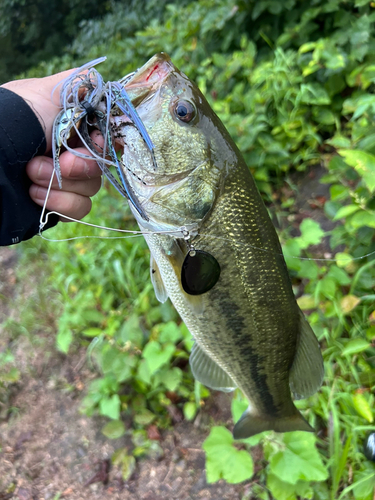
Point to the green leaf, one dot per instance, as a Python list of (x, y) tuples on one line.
[(125, 462), (238, 407), (362, 407), (355, 346), (370, 333), (171, 379), (323, 116), (361, 3), (363, 162), (321, 491), (132, 332), (64, 339), (339, 192), (345, 211), (300, 459), (328, 287), (92, 315), (157, 355), (258, 491), (306, 302), (188, 338), (223, 460), (11, 376), (92, 332), (280, 489), (308, 269), (362, 218), (114, 429), (364, 485), (144, 417), (117, 363), (307, 47), (311, 233), (343, 259), (313, 93), (339, 141), (144, 372), (190, 410), (170, 332), (110, 407), (339, 275), (304, 490)]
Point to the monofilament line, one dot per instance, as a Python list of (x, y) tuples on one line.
[(178, 233)]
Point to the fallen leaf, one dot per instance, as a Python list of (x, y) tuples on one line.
[(175, 414), (67, 492), (348, 303), (153, 433)]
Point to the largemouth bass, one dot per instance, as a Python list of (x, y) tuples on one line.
[(202, 203)]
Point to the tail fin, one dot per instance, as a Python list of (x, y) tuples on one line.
[(250, 424)]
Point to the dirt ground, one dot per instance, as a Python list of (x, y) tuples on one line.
[(48, 450)]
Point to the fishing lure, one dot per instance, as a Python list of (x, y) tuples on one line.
[(87, 101)]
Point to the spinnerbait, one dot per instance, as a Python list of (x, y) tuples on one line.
[(87, 101)]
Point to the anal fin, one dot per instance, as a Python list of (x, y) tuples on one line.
[(307, 372), (209, 373)]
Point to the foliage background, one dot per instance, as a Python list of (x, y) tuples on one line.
[(293, 82)]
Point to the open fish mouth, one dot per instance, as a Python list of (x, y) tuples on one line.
[(148, 79)]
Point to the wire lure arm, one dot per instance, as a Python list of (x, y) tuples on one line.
[(123, 102)]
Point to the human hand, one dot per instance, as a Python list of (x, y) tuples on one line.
[(81, 177), (37, 92)]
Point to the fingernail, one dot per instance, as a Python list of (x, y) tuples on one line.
[(38, 193), (78, 168), (44, 171)]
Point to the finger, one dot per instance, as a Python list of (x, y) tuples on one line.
[(40, 170), (72, 167), (70, 204), (75, 167), (97, 139)]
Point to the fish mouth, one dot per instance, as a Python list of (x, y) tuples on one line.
[(148, 79)]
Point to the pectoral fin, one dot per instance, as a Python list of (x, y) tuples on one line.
[(307, 372), (160, 291), (207, 372)]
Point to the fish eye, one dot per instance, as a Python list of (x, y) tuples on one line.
[(184, 111)]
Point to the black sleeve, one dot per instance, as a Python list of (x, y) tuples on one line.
[(21, 138)]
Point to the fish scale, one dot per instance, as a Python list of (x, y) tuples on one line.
[(249, 280), (249, 331)]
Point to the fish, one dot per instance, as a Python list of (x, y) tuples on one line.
[(215, 252)]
